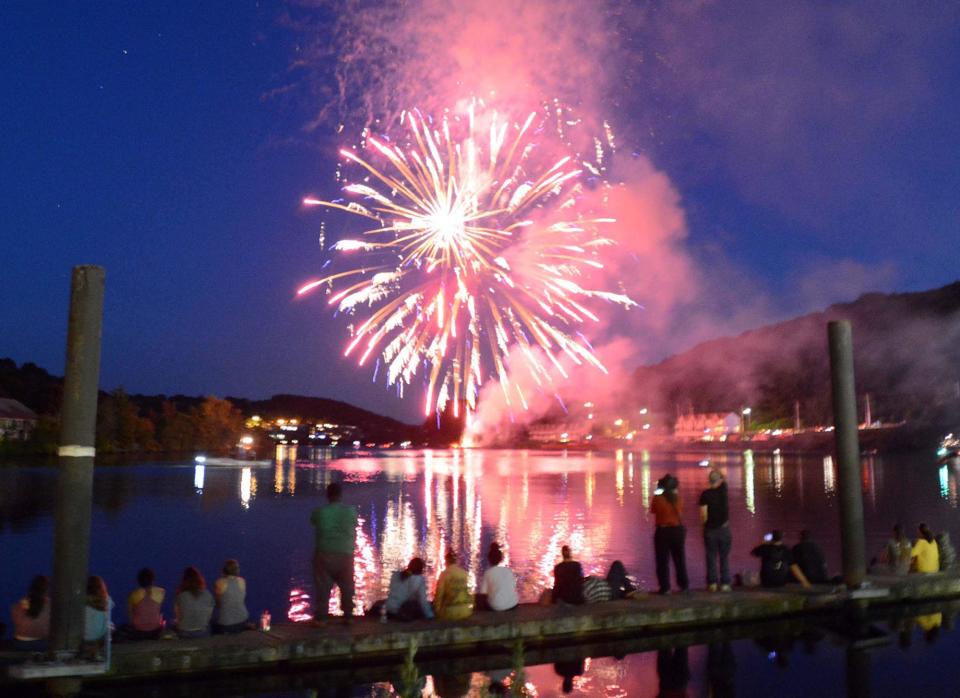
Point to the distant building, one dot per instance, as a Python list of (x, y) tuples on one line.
[(17, 421), (707, 426), (559, 432)]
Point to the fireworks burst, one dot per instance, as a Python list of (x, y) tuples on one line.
[(478, 246)]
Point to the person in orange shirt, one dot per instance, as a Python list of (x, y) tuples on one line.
[(669, 538)]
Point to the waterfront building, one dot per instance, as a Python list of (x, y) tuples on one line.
[(707, 426), (17, 421)]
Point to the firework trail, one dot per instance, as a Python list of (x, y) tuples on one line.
[(477, 246)]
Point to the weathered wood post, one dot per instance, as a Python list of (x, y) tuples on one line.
[(74, 491), (852, 540)]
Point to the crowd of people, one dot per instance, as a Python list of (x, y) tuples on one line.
[(803, 563), (196, 611), (407, 598)]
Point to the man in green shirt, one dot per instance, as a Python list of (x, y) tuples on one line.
[(335, 527)]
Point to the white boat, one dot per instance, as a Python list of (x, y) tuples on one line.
[(949, 448), (231, 462)]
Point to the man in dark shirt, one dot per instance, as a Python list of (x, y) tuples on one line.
[(776, 563), (568, 579), (809, 557), (716, 531)]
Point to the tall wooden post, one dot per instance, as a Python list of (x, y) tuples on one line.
[(852, 539), (74, 491)]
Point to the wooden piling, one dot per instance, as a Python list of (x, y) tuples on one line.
[(74, 489), (852, 538)]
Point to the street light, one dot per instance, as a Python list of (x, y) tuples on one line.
[(746, 413)]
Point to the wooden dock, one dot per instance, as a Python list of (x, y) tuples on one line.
[(367, 642)]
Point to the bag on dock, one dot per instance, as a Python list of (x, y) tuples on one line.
[(948, 556)]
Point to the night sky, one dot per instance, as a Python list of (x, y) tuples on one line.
[(813, 147)]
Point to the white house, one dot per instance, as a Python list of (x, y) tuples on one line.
[(16, 420), (707, 426)]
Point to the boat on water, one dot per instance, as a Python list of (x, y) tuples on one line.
[(949, 448), (231, 462)]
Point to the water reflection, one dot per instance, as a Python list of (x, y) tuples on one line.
[(829, 476), (245, 487), (777, 473), (434, 501), (749, 492), (783, 659), (420, 503), (948, 484)]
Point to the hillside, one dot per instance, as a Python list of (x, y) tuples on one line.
[(42, 391), (318, 409), (906, 350)]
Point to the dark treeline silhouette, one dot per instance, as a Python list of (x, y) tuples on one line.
[(212, 424), (907, 354), (320, 410), (131, 423)]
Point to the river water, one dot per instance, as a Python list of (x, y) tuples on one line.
[(169, 515)]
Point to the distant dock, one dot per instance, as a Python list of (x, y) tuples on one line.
[(289, 648)]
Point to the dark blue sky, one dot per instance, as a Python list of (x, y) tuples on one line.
[(814, 148)]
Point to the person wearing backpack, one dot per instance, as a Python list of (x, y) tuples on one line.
[(776, 562)]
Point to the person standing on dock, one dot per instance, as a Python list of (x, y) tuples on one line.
[(335, 529), (669, 539), (717, 539)]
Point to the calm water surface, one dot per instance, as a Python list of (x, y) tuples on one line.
[(167, 516)]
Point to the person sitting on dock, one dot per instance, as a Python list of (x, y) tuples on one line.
[(144, 609), (407, 597), (452, 599), (193, 606), (925, 553), (567, 579), (335, 537), (619, 582), (776, 562), (896, 554), (498, 588), (809, 557), (96, 624), (31, 617), (231, 593)]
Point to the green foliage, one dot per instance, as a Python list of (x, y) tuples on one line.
[(411, 682), (518, 683), (213, 425), (217, 423), (120, 428)]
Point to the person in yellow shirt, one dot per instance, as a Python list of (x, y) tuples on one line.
[(452, 600), (925, 553)]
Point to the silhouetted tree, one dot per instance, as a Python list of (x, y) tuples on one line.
[(217, 424)]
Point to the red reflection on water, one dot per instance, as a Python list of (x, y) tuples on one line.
[(299, 606)]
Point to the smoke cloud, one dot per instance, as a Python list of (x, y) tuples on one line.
[(679, 71), (388, 56)]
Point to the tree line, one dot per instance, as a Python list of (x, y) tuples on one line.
[(122, 427)]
